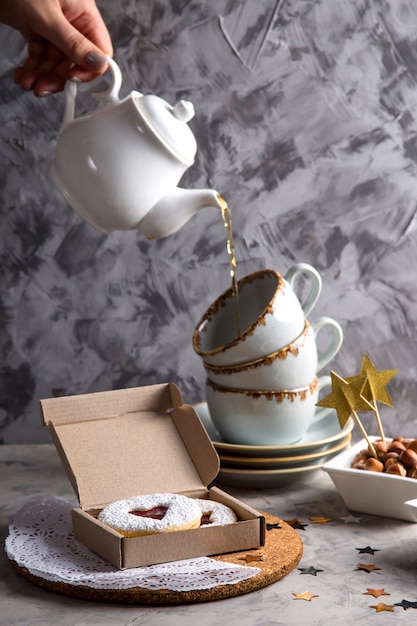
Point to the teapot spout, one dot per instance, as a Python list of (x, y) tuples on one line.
[(175, 209)]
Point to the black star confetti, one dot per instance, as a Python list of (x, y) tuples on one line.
[(406, 604), (367, 550), (272, 526), (295, 523), (309, 570)]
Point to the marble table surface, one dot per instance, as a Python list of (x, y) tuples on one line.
[(333, 539)]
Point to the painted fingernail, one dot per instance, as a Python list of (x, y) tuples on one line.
[(75, 79), (95, 60), (45, 93)]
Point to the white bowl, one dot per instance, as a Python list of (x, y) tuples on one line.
[(372, 492)]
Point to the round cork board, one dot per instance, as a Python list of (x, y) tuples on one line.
[(281, 553)]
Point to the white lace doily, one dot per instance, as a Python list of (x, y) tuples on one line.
[(41, 540)]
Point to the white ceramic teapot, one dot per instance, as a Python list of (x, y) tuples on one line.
[(120, 165)]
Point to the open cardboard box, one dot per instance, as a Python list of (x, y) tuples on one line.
[(129, 442)]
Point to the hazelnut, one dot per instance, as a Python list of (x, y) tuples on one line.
[(389, 462), (408, 457), (373, 465), (397, 469), (381, 447), (396, 446), (391, 455), (361, 457), (412, 445), (412, 472)]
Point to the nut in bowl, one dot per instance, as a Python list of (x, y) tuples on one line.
[(374, 492), (378, 475)]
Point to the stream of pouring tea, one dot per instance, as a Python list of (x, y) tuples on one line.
[(227, 221)]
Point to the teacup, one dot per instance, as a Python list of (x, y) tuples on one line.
[(270, 317), (261, 418), (293, 366)]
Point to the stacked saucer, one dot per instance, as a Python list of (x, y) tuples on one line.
[(275, 466)]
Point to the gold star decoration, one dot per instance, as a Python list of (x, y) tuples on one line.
[(347, 400), (320, 520), (375, 592), (374, 387), (345, 397), (337, 399), (382, 607), (376, 381), (306, 595), (367, 567), (250, 558)]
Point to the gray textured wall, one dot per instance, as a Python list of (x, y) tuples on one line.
[(305, 123)]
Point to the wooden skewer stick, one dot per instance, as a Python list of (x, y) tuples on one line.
[(365, 434), (378, 419)]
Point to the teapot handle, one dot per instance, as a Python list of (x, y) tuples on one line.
[(109, 96)]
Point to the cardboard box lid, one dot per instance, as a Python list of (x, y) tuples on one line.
[(128, 442)]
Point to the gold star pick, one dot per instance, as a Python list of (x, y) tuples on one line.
[(337, 400), (376, 382), (374, 388), (346, 399), (320, 520)]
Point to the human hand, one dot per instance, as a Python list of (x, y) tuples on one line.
[(67, 40)]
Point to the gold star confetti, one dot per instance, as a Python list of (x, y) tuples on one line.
[(250, 558), (382, 607), (367, 567), (375, 592), (320, 520), (306, 595)]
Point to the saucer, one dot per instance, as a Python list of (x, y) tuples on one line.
[(263, 479), (284, 462), (320, 436)]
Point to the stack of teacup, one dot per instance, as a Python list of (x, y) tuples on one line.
[(262, 366)]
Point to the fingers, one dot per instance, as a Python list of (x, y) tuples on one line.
[(45, 69), (78, 48), (73, 46)]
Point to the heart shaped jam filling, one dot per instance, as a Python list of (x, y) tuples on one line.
[(205, 519), (157, 512)]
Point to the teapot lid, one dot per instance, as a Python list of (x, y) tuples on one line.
[(169, 124)]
